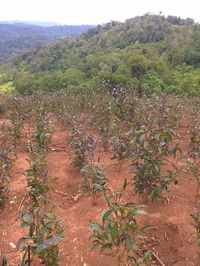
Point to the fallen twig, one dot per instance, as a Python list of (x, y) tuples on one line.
[(157, 259), (22, 201), (74, 198), (175, 260)]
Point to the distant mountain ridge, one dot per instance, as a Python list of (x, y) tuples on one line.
[(32, 22), (18, 37)]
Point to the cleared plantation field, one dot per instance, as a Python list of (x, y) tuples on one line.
[(69, 157)]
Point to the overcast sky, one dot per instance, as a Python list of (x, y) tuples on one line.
[(94, 11)]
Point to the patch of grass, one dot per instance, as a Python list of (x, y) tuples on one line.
[(7, 87)]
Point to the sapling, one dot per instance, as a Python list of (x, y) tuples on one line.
[(151, 146), (44, 234), (121, 147), (83, 144), (119, 234), (93, 178)]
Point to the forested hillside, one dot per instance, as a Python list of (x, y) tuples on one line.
[(17, 37), (150, 54)]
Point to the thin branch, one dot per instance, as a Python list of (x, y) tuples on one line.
[(158, 259)]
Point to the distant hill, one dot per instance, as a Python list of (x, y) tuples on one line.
[(32, 22), (18, 37), (150, 54)]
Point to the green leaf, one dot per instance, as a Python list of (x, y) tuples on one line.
[(125, 184), (98, 187), (141, 138), (106, 246), (147, 255), (4, 261), (106, 214), (114, 231), (140, 212), (45, 229), (31, 230), (146, 144), (94, 245), (49, 215), (129, 244), (94, 226), (50, 224), (49, 242), (35, 210), (21, 242), (26, 218)]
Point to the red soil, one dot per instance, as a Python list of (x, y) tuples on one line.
[(171, 239)]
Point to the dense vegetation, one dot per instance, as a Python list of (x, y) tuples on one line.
[(18, 37), (150, 54)]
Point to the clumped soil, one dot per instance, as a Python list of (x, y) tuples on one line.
[(171, 237)]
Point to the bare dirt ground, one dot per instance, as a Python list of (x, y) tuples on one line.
[(171, 238)]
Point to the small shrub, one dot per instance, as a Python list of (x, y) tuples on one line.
[(93, 179), (119, 233), (83, 144), (121, 147), (42, 239), (151, 146)]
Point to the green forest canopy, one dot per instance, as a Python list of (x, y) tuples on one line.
[(17, 37), (150, 54)]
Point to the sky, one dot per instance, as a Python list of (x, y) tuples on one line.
[(93, 11)]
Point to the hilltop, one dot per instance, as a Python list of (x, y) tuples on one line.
[(151, 53)]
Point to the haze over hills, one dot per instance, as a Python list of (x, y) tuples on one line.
[(32, 22), (17, 37), (150, 53)]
